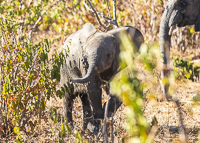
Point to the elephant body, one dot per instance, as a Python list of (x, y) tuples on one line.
[(180, 13), (92, 57)]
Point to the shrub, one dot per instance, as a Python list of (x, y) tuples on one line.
[(27, 79), (186, 68)]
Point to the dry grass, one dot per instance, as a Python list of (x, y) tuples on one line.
[(156, 105), (165, 112)]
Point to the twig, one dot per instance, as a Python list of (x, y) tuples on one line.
[(34, 60), (2, 72), (105, 116), (145, 105), (114, 22), (6, 121), (20, 5), (4, 39), (152, 133), (114, 14), (95, 12), (112, 130), (108, 7), (31, 31), (182, 135), (190, 116), (40, 17), (100, 14), (195, 94)]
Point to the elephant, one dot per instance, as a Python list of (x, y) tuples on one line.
[(92, 59), (180, 13)]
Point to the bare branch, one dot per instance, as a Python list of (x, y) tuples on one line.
[(4, 39), (105, 116), (182, 135), (14, 39), (152, 133), (112, 130), (95, 12), (31, 31), (114, 14), (108, 9), (114, 22)]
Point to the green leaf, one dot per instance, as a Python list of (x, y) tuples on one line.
[(43, 105), (59, 93), (53, 113), (14, 104), (1, 10), (69, 129), (18, 138)]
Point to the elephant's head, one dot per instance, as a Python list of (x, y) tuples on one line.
[(101, 50), (180, 13)]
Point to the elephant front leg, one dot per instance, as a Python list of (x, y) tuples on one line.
[(95, 94), (87, 112), (67, 108)]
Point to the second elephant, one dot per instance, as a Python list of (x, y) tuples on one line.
[(180, 13), (92, 57)]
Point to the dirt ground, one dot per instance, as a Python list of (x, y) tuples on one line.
[(165, 112), (156, 106)]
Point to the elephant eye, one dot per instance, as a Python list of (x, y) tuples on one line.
[(183, 4), (108, 56)]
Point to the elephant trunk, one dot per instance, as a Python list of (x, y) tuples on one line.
[(164, 38), (166, 27), (92, 71)]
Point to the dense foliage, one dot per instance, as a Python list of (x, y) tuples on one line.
[(27, 80), (130, 89), (187, 69), (31, 33), (28, 76)]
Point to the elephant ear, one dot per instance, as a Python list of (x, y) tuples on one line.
[(87, 31), (197, 24)]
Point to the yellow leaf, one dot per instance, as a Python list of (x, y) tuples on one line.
[(45, 18), (191, 30), (35, 91)]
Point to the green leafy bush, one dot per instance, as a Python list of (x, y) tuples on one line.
[(186, 68), (27, 79), (30, 75)]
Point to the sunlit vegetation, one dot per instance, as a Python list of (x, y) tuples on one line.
[(31, 34)]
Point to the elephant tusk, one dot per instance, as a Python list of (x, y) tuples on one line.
[(171, 29)]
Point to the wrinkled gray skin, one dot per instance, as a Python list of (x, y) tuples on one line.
[(180, 13), (93, 57)]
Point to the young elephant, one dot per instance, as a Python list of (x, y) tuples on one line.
[(93, 57)]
